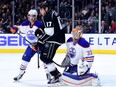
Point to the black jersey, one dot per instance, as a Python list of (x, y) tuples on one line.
[(52, 27)]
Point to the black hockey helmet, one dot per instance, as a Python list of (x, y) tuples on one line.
[(44, 4)]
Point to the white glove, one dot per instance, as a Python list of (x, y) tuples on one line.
[(82, 67)]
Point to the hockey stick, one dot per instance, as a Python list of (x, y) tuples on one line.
[(59, 65), (38, 65), (24, 38), (38, 53), (65, 63)]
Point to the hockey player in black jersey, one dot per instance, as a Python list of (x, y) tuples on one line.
[(53, 37)]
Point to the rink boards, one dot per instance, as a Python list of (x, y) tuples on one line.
[(100, 43)]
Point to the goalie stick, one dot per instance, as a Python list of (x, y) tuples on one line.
[(59, 65)]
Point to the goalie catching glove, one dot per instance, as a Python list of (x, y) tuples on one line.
[(82, 67)]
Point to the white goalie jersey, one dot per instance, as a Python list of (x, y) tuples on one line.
[(80, 51), (81, 59)]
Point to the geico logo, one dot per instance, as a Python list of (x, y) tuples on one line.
[(12, 41)]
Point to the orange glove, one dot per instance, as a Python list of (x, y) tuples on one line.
[(14, 29), (36, 45), (34, 48)]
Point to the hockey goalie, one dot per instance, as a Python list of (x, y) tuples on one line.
[(81, 58)]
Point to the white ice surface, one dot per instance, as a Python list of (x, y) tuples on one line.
[(104, 65)]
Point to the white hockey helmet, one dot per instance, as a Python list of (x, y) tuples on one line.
[(33, 12)]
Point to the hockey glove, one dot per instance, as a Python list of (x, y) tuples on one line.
[(35, 46), (41, 36), (82, 68), (39, 32), (66, 61), (14, 29)]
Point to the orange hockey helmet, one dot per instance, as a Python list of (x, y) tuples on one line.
[(76, 33)]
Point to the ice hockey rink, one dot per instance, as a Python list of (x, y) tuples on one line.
[(104, 65)]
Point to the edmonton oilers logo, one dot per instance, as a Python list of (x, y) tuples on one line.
[(72, 52), (30, 35)]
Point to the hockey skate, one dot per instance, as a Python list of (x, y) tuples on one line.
[(55, 79), (17, 78)]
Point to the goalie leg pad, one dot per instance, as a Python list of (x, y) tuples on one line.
[(75, 80)]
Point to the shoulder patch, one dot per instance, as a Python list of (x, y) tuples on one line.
[(82, 42), (70, 39)]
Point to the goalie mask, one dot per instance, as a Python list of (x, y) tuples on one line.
[(76, 33)]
